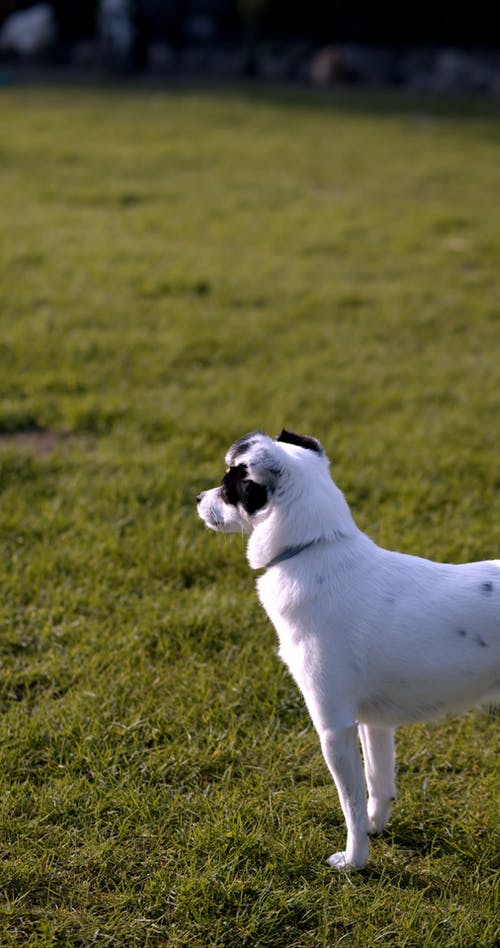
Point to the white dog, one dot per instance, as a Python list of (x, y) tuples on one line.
[(373, 638)]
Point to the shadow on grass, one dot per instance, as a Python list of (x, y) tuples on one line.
[(404, 878), (380, 102), (413, 843), (344, 99)]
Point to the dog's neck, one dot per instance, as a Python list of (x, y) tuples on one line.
[(288, 530), (289, 552), (274, 541)]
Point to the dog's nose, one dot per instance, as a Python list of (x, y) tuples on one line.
[(199, 497)]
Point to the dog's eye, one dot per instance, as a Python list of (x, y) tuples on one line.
[(232, 482), (237, 489)]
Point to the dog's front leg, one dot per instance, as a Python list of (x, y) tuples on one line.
[(341, 751), (379, 757)]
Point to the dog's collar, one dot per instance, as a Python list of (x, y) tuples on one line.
[(289, 552)]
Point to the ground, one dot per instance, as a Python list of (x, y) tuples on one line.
[(180, 267)]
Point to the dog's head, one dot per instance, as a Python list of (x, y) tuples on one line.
[(260, 472)]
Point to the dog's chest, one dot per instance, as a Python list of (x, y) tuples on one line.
[(282, 598), (290, 613)]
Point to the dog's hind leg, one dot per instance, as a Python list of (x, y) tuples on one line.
[(379, 758), (341, 751)]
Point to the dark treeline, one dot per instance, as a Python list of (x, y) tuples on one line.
[(442, 22)]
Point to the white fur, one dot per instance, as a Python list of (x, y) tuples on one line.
[(373, 638)]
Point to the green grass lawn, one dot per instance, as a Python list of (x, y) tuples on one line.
[(177, 268)]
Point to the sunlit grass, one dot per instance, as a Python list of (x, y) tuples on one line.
[(179, 268)]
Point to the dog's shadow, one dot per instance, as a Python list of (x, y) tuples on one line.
[(411, 844)]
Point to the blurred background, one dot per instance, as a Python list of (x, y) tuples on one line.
[(434, 45)]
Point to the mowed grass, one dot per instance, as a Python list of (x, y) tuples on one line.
[(180, 267)]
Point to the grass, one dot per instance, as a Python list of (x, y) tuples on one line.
[(179, 267)]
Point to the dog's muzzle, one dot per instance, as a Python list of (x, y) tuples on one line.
[(208, 510)]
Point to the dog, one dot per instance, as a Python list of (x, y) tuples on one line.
[(373, 638)]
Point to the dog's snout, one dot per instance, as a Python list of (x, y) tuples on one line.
[(199, 497)]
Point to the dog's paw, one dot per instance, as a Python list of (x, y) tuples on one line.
[(379, 812), (344, 861)]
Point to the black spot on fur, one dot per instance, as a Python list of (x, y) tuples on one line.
[(237, 488), (254, 496), (480, 641), (462, 632), (302, 441), (244, 443), (231, 484), (487, 587)]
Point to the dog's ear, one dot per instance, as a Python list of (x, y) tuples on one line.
[(264, 465), (302, 441), (257, 452)]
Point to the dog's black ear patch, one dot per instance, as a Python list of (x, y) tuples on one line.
[(302, 441)]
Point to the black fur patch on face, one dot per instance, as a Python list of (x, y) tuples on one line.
[(238, 489), (302, 441)]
